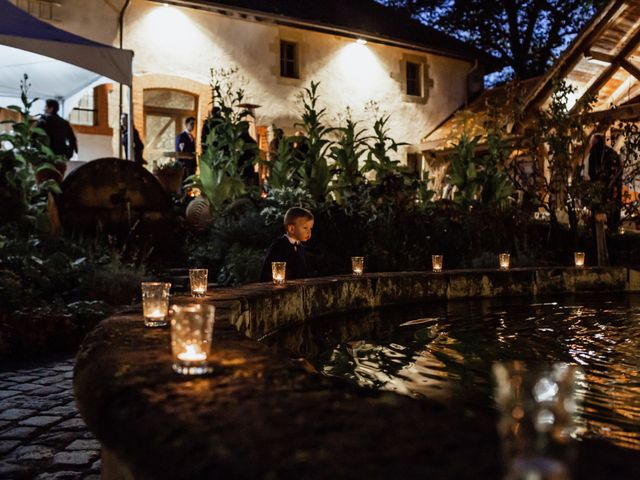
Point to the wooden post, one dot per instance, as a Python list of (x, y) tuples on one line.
[(601, 239)]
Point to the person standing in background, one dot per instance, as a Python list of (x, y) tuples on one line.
[(186, 145), (62, 140)]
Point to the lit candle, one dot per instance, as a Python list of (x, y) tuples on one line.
[(505, 260), (156, 313), (278, 272), (436, 262), (191, 337), (357, 265), (578, 258), (192, 354), (198, 280), (155, 303)]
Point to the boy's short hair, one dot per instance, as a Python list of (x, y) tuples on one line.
[(295, 213), (189, 120)]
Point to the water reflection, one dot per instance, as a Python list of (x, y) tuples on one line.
[(445, 352)]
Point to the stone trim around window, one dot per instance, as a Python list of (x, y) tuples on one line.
[(427, 83)]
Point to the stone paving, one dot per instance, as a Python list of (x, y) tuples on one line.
[(42, 436)]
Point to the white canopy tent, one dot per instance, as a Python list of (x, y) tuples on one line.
[(59, 64)]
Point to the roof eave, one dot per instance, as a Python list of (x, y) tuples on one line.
[(486, 60)]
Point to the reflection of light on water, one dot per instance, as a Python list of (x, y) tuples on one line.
[(449, 359)]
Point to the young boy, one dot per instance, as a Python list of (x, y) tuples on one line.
[(298, 223)]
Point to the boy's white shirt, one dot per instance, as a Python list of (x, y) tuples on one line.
[(292, 241)]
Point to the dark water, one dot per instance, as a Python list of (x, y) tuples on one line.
[(444, 352)]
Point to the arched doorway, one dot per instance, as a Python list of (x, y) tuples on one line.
[(164, 113)]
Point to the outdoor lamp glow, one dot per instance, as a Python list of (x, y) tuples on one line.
[(578, 258)]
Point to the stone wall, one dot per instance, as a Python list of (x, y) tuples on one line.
[(262, 309)]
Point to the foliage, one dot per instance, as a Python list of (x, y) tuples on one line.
[(227, 150), (39, 271), (378, 155), (346, 153), (480, 179), (313, 147), (44, 277), (526, 36), (560, 138), (630, 156), (24, 154), (280, 200), (285, 166), (168, 165)]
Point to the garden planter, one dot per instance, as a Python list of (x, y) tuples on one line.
[(170, 179)]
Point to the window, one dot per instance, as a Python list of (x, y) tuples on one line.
[(165, 111), (91, 115), (414, 79), (85, 113), (288, 59)]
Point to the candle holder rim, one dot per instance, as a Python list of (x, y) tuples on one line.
[(155, 284)]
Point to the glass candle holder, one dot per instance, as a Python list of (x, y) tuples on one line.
[(278, 272), (357, 265), (504, 260), (538, 407), (198, 281), (155, 303), (578, 258), (436, 262), (191, 335)]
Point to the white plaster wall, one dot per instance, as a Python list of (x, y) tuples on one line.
[(188, 43)]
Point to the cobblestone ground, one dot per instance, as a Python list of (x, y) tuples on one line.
[(41, 433)]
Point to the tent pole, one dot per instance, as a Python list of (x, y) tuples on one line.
[(130, 135), (121, 28)]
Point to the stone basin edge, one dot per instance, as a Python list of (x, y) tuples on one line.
[(145, 416)]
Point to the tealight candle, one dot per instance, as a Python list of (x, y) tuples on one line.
[(155, 303), (191, 335), (504, 260), (278, 272), (436, 263), (198, 281), (357, 265), (578, 258), (192, 354)]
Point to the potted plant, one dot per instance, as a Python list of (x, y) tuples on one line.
[(170, 174)]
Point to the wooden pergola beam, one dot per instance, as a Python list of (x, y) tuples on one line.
[(616, 62), (631, 68), (626, 112), (599, 56), (572, 56)]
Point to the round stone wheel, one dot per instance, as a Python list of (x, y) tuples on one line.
[(115, 195)]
